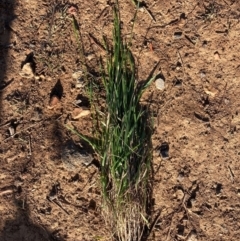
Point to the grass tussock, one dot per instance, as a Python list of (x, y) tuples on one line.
[(123, 143), (125, 146)]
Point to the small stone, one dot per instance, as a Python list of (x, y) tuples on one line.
[(39, 77), (77, 102), (217, 56), (160, 84), (78, 74), (53, 101), (79, 83), (73, 155), (204, 44), (79, 112), (226, 101), (192, 236), (179, 194), (11, 130), (180, 177), (18, 183), (52, 197), (90, 57), (210, 92), (27, 71), (42, 77), (31, 46), (202, 74)]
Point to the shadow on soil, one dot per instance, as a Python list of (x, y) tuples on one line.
[(20, 228), (6, 16)]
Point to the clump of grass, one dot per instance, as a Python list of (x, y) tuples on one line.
[(123, 143)]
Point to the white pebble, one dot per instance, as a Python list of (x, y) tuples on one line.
[(160, 84)]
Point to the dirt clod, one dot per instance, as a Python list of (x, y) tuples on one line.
[(73, 156)]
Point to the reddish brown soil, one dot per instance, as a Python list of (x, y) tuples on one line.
[(196, 189)]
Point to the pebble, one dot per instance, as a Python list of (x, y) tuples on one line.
[(11, 130), (53, 101), (79, 83), (202, 74), (192, 237), (40, 77), (73, 155), (217, 56), (78, 76), (204, 44), (180, 177), (27, 71), (160, 84), (210, 92), (77, 102), (179, 194), (226, 101)]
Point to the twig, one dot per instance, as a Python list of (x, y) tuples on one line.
[(182, 62), (6, 124), (149, 14), (155, 222), (51, 24), (57, 203), (139, 5), (169, 230), (9, 191), (29, 127), (231, 174), (30, 145)]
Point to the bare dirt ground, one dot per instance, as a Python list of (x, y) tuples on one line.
[(196, 193)]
